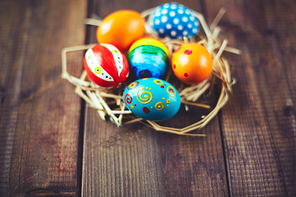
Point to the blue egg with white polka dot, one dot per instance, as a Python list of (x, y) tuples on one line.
[(174, 20)]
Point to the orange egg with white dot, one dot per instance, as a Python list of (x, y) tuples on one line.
[(192, 63)]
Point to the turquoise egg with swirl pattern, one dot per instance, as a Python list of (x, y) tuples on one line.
[(152, 99)]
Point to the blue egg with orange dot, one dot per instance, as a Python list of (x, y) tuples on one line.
[(174, 20), (152, 99)]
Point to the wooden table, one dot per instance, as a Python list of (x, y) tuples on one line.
[(52, 144)]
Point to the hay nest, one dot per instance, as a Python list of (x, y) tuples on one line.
[(110, 103)]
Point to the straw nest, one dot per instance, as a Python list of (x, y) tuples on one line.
[(110, 103)]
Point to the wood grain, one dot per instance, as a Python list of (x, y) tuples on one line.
[(249, 150), (258, 123), (135, 160), (39, 112)]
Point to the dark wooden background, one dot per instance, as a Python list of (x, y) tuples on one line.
[(52, 144)]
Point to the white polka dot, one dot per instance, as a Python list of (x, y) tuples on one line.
[(192, 18), (189, 25), (161, 31), (180, 11), (164, 11), (157, 14), (168, 26), (172, 13), (173, 6), (157, 9), (196, 24), (184, 19), (173, 33), (151, 20), (185, 33), (180, 27), (157, 21), (164, 19), (194, 30), (166, 5), (176, 21), (187, 11)]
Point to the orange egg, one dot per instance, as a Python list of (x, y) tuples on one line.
[(121, 28), (192, 63)]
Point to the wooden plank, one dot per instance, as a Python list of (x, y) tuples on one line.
[(135, 160), (39, 111), (258, 123)]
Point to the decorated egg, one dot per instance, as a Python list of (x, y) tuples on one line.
[(121, 28), (174, 20), (148, 57), (192, 63), (152, 99), (106, 66)]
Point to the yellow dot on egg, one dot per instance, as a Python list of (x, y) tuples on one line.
[(168, 101), (151, 107), (132, 107), (147, 87), (163, 98), (167, 105)]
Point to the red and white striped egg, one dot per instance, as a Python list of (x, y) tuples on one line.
[(106, 66)]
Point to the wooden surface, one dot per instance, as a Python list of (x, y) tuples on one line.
[(40, 113), (54, 145)]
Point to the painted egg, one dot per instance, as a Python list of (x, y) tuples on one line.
[(192, 63), (174, 20), (106, 66), (121, 28), (152, 99), (148, 57)]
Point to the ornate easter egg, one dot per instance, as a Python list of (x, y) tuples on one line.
[(106, 66), (148, 57), (192, 63), (174, 20), (152, 99), (121, 28)]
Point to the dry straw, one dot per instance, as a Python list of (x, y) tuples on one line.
[(102, 100)]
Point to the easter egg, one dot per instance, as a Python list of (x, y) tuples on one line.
[(106, 66), (152, 99), (121, 28), (192, 63), (174, 20), (148, 57)]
